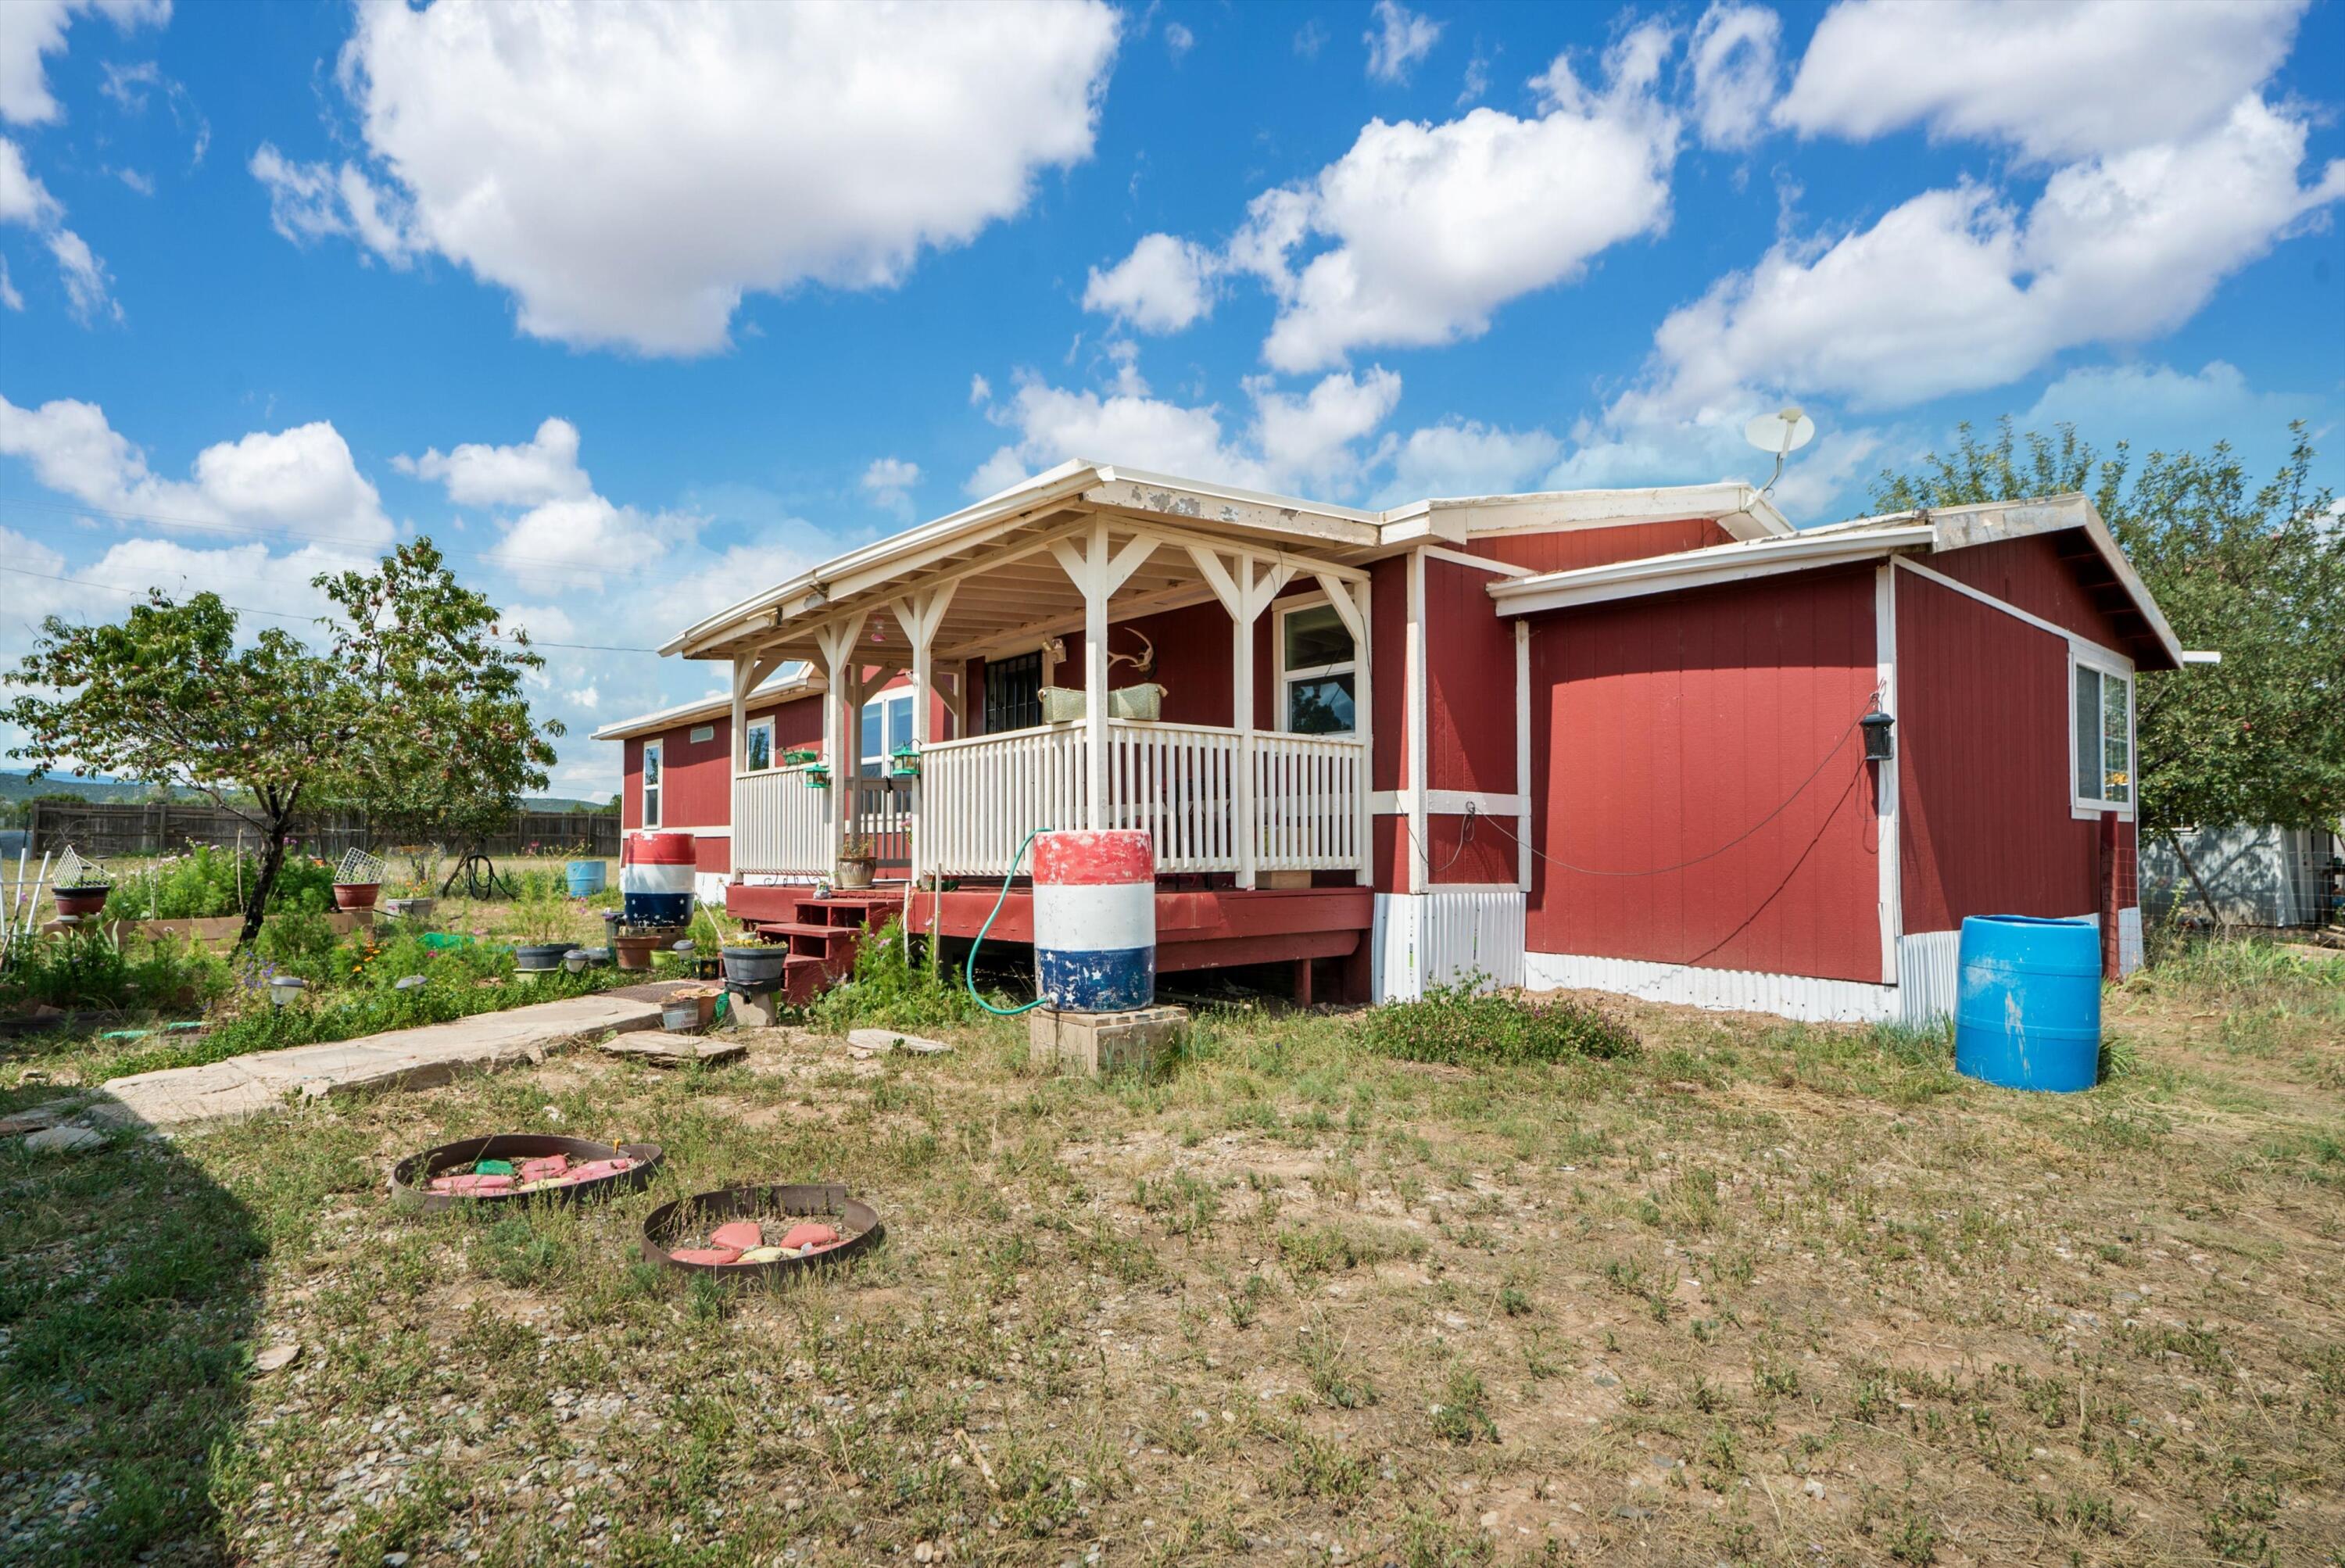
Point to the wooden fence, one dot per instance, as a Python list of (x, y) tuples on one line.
[(101, 830)]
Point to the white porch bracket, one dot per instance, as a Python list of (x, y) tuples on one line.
[(1097, 572), (1246, 592), (748, 674), (843, 704), (920, 615), (1350, 598)]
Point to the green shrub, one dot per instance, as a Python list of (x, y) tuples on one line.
[(89, 969), (204, 882), (887, 991), (1455, 1024)]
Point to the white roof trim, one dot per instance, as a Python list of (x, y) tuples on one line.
[(1931, 529), (1737, 506), (795, 687)]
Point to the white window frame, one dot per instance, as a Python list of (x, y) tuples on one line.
[(883, 701), (750, 728), (1280, 675), (653, 795), (2102, 662)]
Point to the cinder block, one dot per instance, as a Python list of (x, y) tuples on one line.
[(757, 1009), (1097, 1042)]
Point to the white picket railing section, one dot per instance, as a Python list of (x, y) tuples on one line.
[(779, 825), (977, 799), (982, 796)]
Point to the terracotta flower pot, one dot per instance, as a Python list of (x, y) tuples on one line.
[(855, 873), (356, 895), (636, 952), (81, 900)]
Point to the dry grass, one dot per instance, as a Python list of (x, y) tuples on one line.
[(1760, 1294)]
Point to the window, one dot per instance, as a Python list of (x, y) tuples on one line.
[(702, 733), (887, 724), (758, 744), (1013, 693), (655, 777), (1315, 667), (2102, 736)]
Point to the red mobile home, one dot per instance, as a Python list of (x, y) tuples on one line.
[(1613, 739)]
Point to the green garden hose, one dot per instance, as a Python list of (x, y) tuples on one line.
[(969, 970)]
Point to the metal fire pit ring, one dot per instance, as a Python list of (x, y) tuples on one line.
[(410, 1179), (664, 1228)]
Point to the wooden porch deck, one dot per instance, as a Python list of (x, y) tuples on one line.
[(1321, 932)]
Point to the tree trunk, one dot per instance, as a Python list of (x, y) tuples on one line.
[(2214, 914), (272, 861)]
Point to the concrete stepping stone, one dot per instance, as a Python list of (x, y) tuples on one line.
[(874, 1041), (662, 1049), (65, 1140)]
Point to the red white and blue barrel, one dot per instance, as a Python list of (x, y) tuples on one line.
[(656, 879), (1095, 920)]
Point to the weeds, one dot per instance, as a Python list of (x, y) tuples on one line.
[(1457, 1024)]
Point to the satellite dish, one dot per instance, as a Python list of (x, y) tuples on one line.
[(1783, 433)]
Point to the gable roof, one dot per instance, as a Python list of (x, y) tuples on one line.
[(1268, 521), (804, 682), (1925, 531)]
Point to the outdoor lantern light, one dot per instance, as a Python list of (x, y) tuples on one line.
[(1878, 745), (284, 988), (574, 961)]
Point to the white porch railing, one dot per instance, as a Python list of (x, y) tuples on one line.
[(981, 797), (779, 825)]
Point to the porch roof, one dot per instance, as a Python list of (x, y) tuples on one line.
[(1012, 589)]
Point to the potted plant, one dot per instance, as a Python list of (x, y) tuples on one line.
[(855, 861), (357, 881), (81, 886), (544, 916)]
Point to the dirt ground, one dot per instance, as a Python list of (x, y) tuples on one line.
[(1760, 1293)]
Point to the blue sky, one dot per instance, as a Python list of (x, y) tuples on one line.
[(638, 311)]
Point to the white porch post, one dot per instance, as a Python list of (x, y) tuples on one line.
[(919, 615), (842, 700), (1098, 574), (1350, 603), (1246, 597)]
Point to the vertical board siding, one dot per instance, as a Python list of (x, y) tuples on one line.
[(1469, 659), (1388, 646), (2034, 574), (1664, 727), (1983, 749), (1567, 550)]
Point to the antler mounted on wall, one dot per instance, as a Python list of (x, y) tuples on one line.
[(1143, 662)]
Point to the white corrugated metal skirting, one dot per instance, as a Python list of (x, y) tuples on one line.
[(1446, 937), (1930, 972), (1797, 996)]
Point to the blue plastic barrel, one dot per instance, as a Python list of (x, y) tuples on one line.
[(2029, 1015), (585, 878)]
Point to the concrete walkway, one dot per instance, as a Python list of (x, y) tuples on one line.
[(180, 1098)]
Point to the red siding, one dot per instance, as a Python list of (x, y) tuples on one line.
[(1664, 729), (2032, 574), (1570, 549), (1470, 683), (1985, 821), (1389, 689)]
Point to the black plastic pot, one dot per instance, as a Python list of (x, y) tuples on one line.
[(410, 1179), (755, 966), (538, 957), (667, 1226)]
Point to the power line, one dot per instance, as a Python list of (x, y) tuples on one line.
[(287, 616)]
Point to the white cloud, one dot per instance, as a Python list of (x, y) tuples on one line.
[(1178, 40), (9, 297), (543, 468), (888, 482), (1954, 290), (1165, 284), (1638, 444), (2055, 81), (629, 172), (25, 200), (980, 392), (1400, 39), (1306, 440), (301, 481), (1465, 457), (1732, 58), (32, 28), (1437, 225)]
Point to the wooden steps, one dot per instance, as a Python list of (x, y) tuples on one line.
[(823, 935)]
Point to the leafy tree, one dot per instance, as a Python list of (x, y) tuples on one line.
[(2257, 572), (167, 696), (444, 741)]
